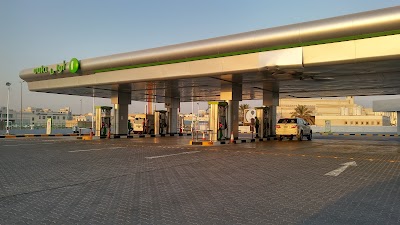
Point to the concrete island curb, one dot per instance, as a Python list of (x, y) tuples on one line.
[(357, 134), (239, 141), (145, 135), (101, 137), (38, 135), (188, 134)]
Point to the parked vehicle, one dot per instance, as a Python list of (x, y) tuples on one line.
[(293, 127)]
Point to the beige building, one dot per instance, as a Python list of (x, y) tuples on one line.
[(83, 121), (353, 120), (392, 116), (340, 112)]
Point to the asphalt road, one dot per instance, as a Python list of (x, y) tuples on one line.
[(61, 180)]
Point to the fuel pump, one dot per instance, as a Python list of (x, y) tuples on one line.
[(103, 120), (218, 120), (263, 115), (181, 123), (160, 122), (222, 119)]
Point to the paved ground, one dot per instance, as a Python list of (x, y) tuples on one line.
[(61, 180)]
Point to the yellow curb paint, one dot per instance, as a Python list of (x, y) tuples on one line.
[(208, 143), (205, 143), (87, 138)]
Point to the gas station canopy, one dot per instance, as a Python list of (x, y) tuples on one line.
[(355, 54)]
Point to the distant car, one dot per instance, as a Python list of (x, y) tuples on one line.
[(293, 127)]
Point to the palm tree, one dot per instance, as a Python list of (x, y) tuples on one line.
[(242, 107), (301, 111)]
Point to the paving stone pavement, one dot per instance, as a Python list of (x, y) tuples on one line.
[(66, 181)]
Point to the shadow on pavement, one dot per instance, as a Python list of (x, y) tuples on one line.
[(375, 204)]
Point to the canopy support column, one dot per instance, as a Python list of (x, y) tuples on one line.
[(398, 124), (231, 91), (121, 98), (172, 103), (271, 99)]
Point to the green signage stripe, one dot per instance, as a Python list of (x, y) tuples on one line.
[(278, 47)]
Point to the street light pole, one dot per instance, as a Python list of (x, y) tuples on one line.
[(93, 110), (198, 110), (192, 125), (8, 101), (20, 123)]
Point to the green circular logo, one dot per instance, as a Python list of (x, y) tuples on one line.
[(73, 65)]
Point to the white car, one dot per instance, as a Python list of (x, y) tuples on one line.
[(293, 127)]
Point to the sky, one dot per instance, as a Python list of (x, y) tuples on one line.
[(43, 32)]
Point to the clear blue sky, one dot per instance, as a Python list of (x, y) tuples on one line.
[(41, 32)]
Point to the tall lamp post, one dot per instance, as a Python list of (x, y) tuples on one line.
[(192, 124), (8, 101), (92, 129), (198, 110), (20, 123)]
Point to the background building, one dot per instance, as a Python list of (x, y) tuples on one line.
[(36, 117), (82, 121), (340, 112), (3, 117)]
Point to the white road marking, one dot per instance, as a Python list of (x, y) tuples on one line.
[(13, 145), (162, 156), (338, 171), (59, 140), (28, 144), (95, 149)]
